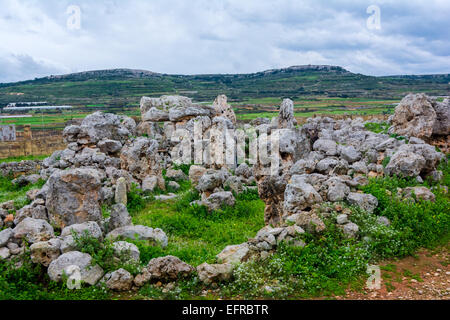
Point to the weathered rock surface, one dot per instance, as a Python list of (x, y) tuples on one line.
[(74, 197), (169, 268), (366, 202), (119, 280), (45, 252), (141, 232), (420, 193), (286, 119), (300, 195), (195, 173), (119, 217), (33, 230), (223, 109), (62, 265), (5, 236), (234, 254), (164, 269), (90, 228), (100, 126), (127, 250), (214, 273), (140, 158), (216, 200)]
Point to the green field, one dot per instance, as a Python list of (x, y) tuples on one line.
[(325, 92)]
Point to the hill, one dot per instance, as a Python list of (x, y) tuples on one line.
[(124, 87)]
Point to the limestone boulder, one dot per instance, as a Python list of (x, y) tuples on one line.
[(74, 262), (414, 116), (223, 109), (141, 232), (366, 202), (46, 251), (74, 197), (299, 195), (119, 280), (214, 273), (33, 230)]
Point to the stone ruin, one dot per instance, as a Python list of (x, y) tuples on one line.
[(324, 161)]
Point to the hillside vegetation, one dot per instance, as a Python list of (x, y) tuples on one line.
[(123, 87)]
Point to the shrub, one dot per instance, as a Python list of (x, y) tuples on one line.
[(102, 253)]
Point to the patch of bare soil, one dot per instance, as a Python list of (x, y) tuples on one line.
[(425, 276)]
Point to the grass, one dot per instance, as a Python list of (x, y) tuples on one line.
[(196, 236), (23, 158), (9, 191), (329, 264)]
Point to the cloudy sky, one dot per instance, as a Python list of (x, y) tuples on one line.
[(39, 38)]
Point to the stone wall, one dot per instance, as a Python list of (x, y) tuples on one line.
[(20, 168), (34, 143)]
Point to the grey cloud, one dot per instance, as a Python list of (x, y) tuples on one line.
[(20, 67), (226, 36)]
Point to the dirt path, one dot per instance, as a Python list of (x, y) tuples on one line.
[(423, 277)]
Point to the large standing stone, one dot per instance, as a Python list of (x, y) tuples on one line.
[(286, 118), (271, 190), (74, 197), (223, 109)]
